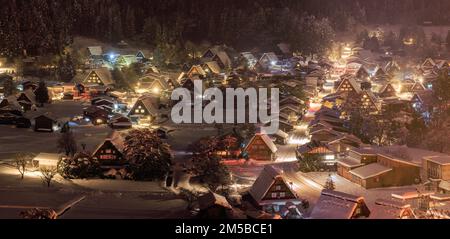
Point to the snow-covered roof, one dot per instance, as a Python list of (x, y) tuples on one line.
[(95, 50), (282, 134), (441, 160), (103, 73), (270, 56), (352, 82), (389, 209), (224, 58), (213, 66), (150, 103), (29, 94), (212, 199), (370, 171), (285, 48), (349, 162), (47, 159), (266, 139), (127, 59), (336, 205), (197, 69), (265, 181), (445, 185), (10, 102)]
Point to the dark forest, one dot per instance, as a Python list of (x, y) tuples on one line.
[(48, 25)]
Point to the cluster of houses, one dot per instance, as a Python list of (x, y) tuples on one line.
[(276, 194), (20, 110)]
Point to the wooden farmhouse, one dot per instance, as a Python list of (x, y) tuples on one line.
[(101, 76), (261, 148), (339, 205), (348, 85), (376, 167), (110, 151), (145, 107), (97, 115), (214, 206), (27, 100), (388, 91), (272, 190), (390, 209)]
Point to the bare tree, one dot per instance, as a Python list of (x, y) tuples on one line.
[(48, 174), (67, 143), (21, 161)]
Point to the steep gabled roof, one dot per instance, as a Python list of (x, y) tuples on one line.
[(213, 67), (270, 56), (314, 147), (103, 73), (428, 63), (224, 58), (95, 50), (10, 102), (389, 209), (352, 83), (28, 94), (388, 90), (417, 86), (266, 139), (116, 139), (150, 104), (426, 97), (336, 205), (212, 199), (264, 182), (196, 70)]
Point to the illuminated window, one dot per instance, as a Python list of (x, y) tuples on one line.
[(329, 157), (282, 195), (278, 188), (274, 195)]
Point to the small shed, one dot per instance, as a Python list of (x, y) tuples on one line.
[(45, 123), (46, 160), (214, 206)]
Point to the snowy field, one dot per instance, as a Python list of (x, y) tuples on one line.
[(108, 199), (14, 140)]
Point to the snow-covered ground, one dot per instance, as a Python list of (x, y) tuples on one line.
[(104, 198), (13, 140)]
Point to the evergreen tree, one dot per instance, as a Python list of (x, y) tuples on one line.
[(66, 68), (329, 184), (119, 79), (42, 96), (9, 87)]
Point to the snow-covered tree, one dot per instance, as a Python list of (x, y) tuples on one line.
[(329, 184), (9, 87), (149, 158), (42, 96), (21, 162), (207, 165), (48, 174)]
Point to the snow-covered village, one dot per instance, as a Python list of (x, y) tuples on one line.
[(104, 112)]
